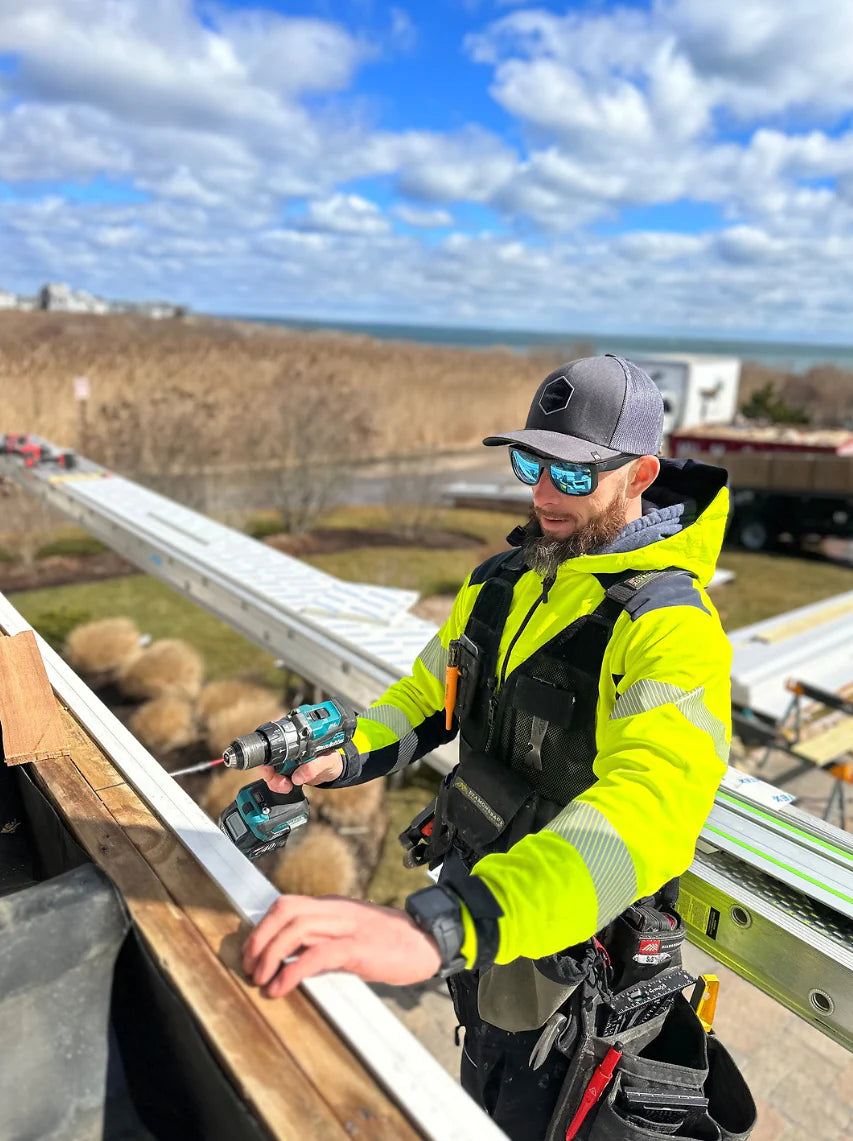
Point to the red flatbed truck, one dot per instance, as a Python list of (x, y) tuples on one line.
[(789, 484)]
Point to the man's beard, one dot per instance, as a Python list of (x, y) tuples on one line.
[(545, 553)]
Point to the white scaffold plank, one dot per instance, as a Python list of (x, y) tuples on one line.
[(813, 644), (410, 1074)]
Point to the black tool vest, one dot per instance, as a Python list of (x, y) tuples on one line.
[(527, 741)]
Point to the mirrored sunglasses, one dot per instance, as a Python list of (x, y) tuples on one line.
[(569, 478)]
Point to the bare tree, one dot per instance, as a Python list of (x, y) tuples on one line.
[(169, 443), (315, 428), (413, 487)]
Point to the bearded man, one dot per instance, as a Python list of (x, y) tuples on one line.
[(587, 675)]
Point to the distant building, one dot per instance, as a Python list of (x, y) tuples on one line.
[(62, 298)]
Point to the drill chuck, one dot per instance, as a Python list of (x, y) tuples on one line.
[(247, 752), (276, 743)]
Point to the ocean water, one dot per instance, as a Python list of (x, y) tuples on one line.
[(796, 357)]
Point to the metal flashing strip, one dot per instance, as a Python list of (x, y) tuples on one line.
[(807, 854), (418, 1084), (813, 643)]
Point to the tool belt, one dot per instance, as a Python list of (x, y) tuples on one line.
[(661, 1077)]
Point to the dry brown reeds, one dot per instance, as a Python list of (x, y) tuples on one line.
[(319, 863), (100, 650), (241, 717), (168, 667), (237, 373), (164, 724), (217, 696)]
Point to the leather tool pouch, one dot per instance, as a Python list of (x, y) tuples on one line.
[(672, 1079)]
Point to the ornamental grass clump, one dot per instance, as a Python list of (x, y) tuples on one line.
[(317, 862), (350, 807), (164, 724), (240, 718), (221, 788), (101, 650), (166, 668), (218, 696)]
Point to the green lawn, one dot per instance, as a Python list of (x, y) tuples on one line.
[(771, 584), (159, 611), (765, 585)]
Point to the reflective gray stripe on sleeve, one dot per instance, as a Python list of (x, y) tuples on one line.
[(646, 695), (406, 751), (605, 855), (389, 716), (434, 657)]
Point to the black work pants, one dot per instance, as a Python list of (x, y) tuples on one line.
[(495, 1070)]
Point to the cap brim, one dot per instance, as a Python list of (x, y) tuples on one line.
[(555, 445)]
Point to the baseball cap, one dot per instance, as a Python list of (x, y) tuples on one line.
[(590, 410)]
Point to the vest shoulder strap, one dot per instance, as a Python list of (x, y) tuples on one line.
[(508, 565), (639, 591)]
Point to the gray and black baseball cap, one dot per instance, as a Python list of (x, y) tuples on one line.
[(590, 410)]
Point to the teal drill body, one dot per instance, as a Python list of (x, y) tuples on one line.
[(259, 820)]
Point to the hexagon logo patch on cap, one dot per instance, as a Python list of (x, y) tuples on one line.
[(556, 395)]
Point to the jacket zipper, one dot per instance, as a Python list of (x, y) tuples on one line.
[(547, 583)]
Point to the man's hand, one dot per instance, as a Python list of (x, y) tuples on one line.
[(376, 943), (323, 767)]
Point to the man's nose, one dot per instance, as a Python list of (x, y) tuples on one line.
[(545, 494)]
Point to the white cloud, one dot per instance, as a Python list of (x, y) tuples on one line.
[(404, 34), (223, 123), (345, 214), (423, 219)]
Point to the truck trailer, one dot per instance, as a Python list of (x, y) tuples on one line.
[(788, 484)]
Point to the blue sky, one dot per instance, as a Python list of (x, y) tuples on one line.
[(670, 165)]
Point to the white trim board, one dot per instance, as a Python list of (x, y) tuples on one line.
[(425, 1092)]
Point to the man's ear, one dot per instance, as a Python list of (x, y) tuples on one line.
[(644, 472)]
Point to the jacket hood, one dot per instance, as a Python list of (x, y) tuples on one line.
[(689, 507)]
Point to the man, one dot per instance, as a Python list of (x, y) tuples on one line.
[(592, 698)]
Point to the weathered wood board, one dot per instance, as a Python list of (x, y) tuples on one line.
[(29, 713), (196, 936)]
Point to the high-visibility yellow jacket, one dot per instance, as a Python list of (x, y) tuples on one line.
[(663, 728)]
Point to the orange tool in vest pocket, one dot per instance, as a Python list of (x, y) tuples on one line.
[(451, 683)]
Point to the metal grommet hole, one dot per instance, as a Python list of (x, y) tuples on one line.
[(741, 916), (821, 1002)]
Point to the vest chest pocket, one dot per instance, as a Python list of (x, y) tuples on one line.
[(544, 701), (487, 805), (546, 730)]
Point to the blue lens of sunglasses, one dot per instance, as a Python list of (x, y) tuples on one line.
[(527, 468), (571, 479)]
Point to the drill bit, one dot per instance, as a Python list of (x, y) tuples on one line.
[(197, 768)]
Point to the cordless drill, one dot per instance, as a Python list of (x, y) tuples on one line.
[(259, 820)]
